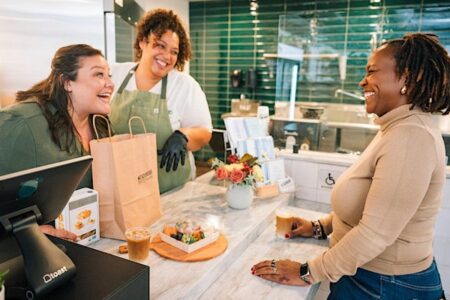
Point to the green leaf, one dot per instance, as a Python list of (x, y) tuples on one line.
[(2, 277)]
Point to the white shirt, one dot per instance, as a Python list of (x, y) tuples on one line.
[(186, 102)]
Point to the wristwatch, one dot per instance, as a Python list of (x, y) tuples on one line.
[(304, 273)]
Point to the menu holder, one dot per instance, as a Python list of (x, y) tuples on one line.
[(267, 191)]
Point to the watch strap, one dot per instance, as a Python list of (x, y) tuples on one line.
[(304, 273)]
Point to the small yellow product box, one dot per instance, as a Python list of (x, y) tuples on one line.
[(81, 216)]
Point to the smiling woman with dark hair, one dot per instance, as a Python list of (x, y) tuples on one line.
[(385, 206), (52, 120)]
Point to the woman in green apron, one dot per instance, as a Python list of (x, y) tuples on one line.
[(52, 120), (170, 102)]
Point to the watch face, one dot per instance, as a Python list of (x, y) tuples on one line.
[(304, 273), (304, 269)]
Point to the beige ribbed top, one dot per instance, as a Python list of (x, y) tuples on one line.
[(385, 205)]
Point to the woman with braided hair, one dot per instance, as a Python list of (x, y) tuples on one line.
[(385, 206)]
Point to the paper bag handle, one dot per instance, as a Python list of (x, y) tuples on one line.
[(136, 118), (95, 128)]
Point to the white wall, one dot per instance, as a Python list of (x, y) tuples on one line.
[(32, 30), (180, 7)]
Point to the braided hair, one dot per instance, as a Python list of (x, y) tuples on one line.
[(426, 64), (157, 22)]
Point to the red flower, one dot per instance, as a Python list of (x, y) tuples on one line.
[(237, 176), (221, 173), (233, 158), (246, 169)]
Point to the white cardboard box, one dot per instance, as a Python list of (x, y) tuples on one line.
[(190, 247), (81, 216)]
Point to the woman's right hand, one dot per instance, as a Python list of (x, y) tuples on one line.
[(301, 227)]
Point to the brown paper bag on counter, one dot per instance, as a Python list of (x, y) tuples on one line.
[(124, 171)]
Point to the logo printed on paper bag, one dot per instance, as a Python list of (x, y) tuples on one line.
[(145, 176)]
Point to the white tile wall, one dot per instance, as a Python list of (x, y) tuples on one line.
[(443, 223), (441, 243), (304, 175), (306, 193), (441, 247), (446, 197), (444, 271)]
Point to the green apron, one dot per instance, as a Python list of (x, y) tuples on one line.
[(152, 108)]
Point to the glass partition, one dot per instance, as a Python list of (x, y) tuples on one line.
[(321, 65)]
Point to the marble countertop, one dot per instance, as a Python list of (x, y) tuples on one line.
[(202, 200), (238, 282)]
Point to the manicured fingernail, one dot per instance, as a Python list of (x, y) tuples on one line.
[(253, 272), (287, 235)]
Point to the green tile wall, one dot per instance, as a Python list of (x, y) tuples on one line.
[(226, 36)]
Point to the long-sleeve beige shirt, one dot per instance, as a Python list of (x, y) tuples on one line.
[(386, 204)]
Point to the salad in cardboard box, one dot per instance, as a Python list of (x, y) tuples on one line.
[(188, 236)]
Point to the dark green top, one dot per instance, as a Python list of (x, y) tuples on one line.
[(26, 142)]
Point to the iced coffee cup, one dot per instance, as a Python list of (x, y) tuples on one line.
[(284, 220), (138, 240)]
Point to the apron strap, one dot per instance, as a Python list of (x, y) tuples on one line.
[(131, 72), (164, 87), (127, 79)]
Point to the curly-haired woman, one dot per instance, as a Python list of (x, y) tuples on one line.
[(171, 103)]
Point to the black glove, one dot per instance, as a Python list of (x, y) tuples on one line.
[(173, 151)]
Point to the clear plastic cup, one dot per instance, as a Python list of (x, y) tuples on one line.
[(283, 223), (138, 240)]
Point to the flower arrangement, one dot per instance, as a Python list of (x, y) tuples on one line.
[(244, 171)]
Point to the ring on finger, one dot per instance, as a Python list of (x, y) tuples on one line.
[(273, 265)]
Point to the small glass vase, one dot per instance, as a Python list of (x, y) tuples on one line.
[(239, 196)]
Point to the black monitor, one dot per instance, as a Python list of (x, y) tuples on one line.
[(27, 199)]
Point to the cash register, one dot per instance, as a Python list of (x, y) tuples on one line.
[(41, 266)]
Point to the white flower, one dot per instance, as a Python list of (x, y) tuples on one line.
[(258, 173)]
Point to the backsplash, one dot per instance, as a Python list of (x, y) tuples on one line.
[(228, 35)]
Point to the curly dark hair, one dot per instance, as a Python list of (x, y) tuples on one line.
[(53, 98), (426, 64), (158, 21)]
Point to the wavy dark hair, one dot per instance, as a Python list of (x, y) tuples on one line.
[(55, 101), (426, 65), (158, 21)]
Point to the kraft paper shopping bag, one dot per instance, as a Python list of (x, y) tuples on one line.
[(124, 171)]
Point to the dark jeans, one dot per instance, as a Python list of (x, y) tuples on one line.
[(369, 285)]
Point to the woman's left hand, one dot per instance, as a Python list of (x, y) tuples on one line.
[(60, 233), (281, 271)]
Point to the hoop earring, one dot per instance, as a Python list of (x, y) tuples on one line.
[(403, 90)]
